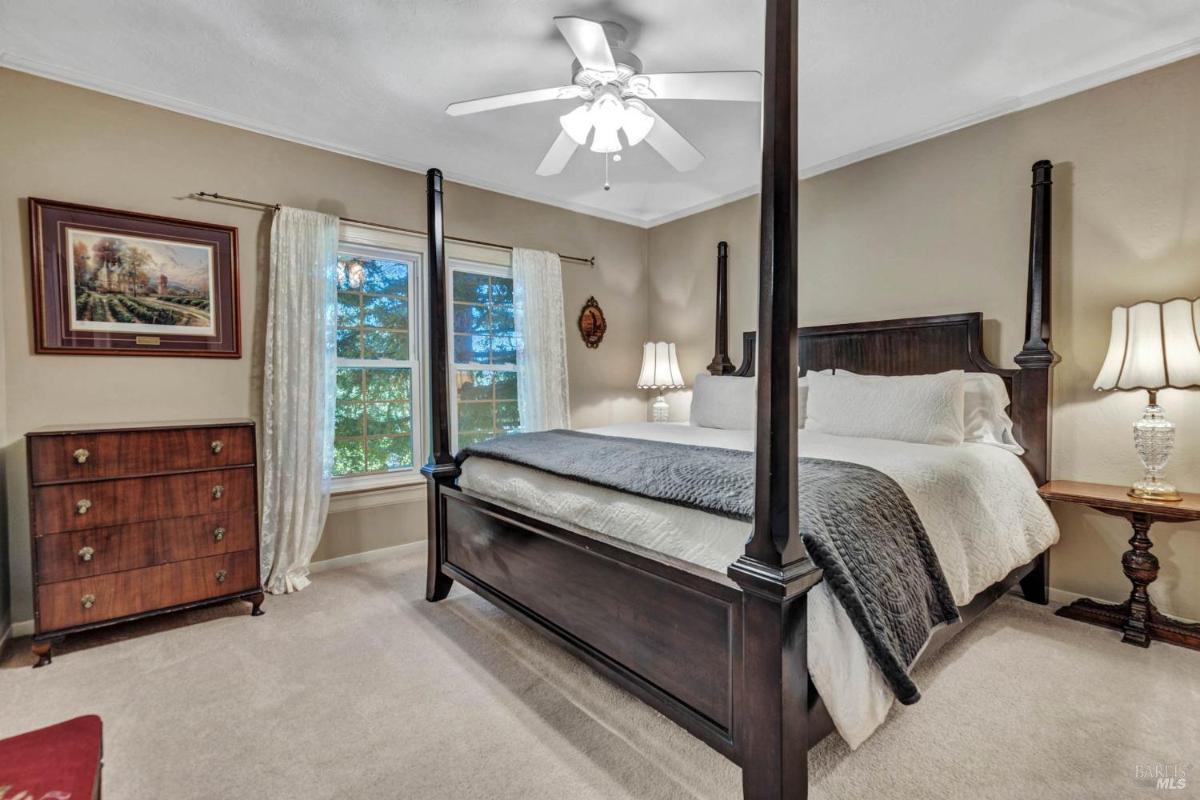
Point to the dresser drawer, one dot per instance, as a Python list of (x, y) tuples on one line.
[(66, 556), (100, 504), (87, 456), (105, 597)]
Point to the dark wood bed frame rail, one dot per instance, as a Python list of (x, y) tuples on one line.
[(724, 656)]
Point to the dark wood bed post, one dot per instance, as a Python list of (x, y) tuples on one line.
[(1031, 383), (775, 572), (440, 470), (721, 365)]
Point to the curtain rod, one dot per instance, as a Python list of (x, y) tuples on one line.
[(590, 261)]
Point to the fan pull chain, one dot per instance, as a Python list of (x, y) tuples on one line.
[(607, 185)]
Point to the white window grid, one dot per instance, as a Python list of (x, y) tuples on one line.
[(375, 243), (475, 268)]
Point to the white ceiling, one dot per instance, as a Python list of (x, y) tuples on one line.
[(372, 77)]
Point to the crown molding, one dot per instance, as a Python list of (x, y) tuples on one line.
[(707, 205), (1134, 66), (1126, 69), (168, 102)]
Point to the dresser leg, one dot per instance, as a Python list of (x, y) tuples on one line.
[(256, 602), (42, 651), (1141, 567)]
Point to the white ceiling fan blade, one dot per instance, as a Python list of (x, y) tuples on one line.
[(588, 42), (671, 145), (742, 87), (514, 99), (558, 155)]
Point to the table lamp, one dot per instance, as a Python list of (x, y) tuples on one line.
[(1153, 346), (660, 370)]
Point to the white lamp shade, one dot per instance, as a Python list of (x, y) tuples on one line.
[(577, 124), (1153, 346), (605, 140), (660, 368), (636, 122)]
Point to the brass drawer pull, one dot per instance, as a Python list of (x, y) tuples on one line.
[(218, 534), (222, 575), (88, 600), (217, 446), (80, 455), (218, 491), (82, 506), (86, 553)]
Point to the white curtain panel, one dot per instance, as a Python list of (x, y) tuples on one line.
[(298, 394), (542, 397)]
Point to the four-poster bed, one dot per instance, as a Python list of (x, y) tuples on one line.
[(725, 656)]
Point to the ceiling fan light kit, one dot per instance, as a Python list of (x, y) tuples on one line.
[(605, 141), (607, 114), (577, 124), (637, 122), (608, 78)]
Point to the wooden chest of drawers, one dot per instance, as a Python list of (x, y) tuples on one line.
[(136, 520)]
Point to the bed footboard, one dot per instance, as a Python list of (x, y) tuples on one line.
[(632, 616)]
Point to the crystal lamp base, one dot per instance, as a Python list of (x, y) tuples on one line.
[(1147, 489), (661, 410), (1154, 439)]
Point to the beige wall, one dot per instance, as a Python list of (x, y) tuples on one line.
[(942, 226), (65, 143), (353, 532), (936, 227)]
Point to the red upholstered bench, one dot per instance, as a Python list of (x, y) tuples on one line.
[(61, 762)]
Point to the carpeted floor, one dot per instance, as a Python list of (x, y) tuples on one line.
[(357, 688)]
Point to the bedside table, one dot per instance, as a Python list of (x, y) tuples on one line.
[(1137, 617)]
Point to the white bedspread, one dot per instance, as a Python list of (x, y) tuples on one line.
[(978, 503)]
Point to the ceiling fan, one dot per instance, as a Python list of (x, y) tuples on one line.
[(608, 78)]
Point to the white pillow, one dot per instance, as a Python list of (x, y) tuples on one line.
[(984, 419), (925, 409), (723, 401), (802, 395), (728, 402)]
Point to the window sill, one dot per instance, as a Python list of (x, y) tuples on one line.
[(374, 491)]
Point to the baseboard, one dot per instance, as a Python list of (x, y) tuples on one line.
[(21, 628), (1062, 597), (25, 627), (1057, 597), (354, 559)]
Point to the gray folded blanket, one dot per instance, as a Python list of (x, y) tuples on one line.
[(857, 523)]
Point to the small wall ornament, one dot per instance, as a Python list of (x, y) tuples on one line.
[(592, 324)]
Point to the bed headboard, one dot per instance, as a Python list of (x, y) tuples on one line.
[(909, 346), (920, 345)]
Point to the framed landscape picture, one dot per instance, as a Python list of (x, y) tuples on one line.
[(119, 283)]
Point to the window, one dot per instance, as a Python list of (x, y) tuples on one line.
[(376, 425), (483, 351)]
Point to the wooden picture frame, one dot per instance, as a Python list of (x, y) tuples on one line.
[(592, 324), (111, 282)]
